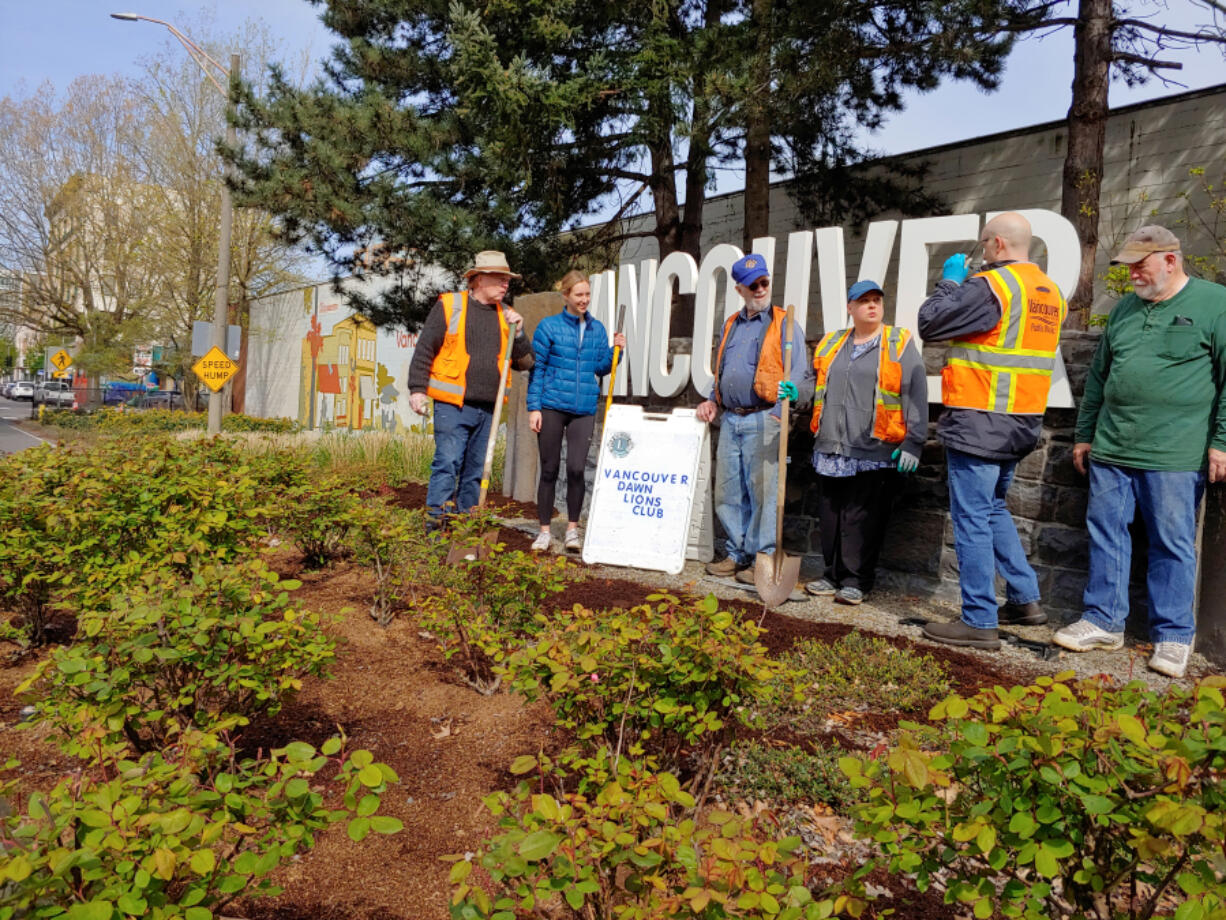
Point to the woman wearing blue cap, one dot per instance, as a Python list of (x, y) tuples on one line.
[(870, 420)]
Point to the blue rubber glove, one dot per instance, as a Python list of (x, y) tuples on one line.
[(955, 268), (787, 390), (907, 461)]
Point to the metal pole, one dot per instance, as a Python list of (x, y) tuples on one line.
[(221, 301)]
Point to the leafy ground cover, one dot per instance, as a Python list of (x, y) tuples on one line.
[(541, 740)]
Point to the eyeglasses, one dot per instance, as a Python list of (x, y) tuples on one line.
[(760, 285)]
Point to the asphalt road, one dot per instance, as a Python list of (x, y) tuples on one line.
[(12, 438)]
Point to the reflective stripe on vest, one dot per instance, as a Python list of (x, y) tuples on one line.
[(889, 424), (1008, 368), (449, 370), (769, 371)]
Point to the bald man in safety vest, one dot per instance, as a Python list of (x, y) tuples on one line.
[(457, 364), (1003, 328)]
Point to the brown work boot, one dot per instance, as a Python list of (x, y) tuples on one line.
[(745, 576), (725, 568), (1021, 614), (958, 633)]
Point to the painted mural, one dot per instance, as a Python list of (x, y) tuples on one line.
[(313, 360)]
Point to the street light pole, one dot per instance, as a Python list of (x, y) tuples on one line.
[(221, 301)]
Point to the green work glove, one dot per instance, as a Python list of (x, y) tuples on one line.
[(787, 390), (907, 462)]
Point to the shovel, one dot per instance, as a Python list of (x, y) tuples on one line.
[(480, 547), (621, 317), (775, 574)]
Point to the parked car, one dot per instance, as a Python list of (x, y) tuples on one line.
[(22, 389), (54, 392), (5, 386)]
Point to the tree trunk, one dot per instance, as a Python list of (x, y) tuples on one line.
[(1087, 130), (758, 131)]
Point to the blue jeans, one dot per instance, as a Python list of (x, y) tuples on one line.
[(985, 537), (1168, 503), (460, 437), (746, 483)]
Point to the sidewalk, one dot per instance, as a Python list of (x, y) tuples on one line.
[(884, 608)]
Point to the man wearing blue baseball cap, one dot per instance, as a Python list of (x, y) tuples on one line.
[(750, 379)]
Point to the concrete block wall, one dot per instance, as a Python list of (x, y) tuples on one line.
[(1150, 149)]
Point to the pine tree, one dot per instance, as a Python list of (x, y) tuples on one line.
[(445, 128)]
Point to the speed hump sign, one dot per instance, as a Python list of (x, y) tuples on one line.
[(215, 369)]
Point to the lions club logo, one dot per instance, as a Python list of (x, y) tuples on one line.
[(620, 445)]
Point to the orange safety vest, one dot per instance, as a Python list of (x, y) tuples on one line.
[(889, 424), (1008, 368), (449, 370), (770, 370)]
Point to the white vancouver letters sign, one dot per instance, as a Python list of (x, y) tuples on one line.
[(646, 291)]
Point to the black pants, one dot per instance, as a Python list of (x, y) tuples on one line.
[(578, 431), (853, 512)]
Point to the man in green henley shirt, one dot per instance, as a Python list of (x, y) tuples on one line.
[(1152, 424)]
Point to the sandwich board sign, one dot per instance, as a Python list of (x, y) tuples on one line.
[(649, 501)]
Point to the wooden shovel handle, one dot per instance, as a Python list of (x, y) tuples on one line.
[(497, 419), (784, 408)]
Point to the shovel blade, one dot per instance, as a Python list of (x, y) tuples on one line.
[(472, 551), (775, 582)]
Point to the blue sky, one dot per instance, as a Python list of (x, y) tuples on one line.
[(58, 40)]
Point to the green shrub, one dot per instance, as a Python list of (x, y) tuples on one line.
[(488, 607), (316, 516), (756, 771), (393, 543), (168, 657), (664, 675), (129, 508), (633, 849), (181, 833), (117, 420), (1050, 800), (31, 482)]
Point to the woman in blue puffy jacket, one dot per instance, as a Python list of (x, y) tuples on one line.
[(572, 353)]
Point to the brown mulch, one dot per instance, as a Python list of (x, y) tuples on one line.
[(392, 692)]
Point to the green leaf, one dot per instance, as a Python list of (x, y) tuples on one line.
[(1045, 862), (368, 806), (91, 910), (371, 776), (523, 764), (357, 829), (198, 913), (536, 846), (203, 862), (385, 824)]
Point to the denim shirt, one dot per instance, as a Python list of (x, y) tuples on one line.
[(740, 362)]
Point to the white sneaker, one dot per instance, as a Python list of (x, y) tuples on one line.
[(1170, 658), (543, 543), (1084, 636), (573, 544)]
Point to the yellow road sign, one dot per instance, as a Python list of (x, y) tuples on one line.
[(59, 375), (62, 360), (215, 369)]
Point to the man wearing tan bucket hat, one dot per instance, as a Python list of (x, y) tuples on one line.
[(459, 355), (1151, 424)]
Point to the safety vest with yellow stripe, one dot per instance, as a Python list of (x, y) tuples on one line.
[(1008, 368), (889, 423), (449, 370), (769, 371)]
